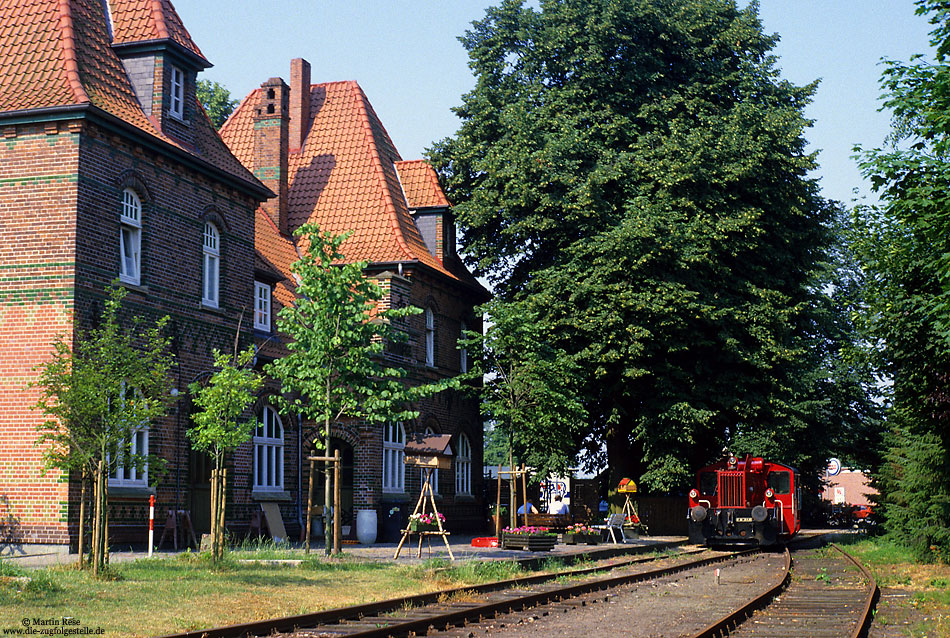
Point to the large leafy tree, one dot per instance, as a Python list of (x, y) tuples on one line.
[(97, 392), (336, 334), (904, 246), (216, 101), (638, 169)]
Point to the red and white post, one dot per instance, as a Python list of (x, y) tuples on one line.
[(151, 524)]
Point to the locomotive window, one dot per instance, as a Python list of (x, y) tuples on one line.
[(780, 482), (707, 482)]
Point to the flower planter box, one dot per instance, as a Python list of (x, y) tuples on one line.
[(582, 539), (416, 526), (529, 542)]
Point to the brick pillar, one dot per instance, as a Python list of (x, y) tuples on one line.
[(271, 120), (299, 102)]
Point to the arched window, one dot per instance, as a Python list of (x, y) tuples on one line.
[(430, 337), (463, 352), (269, 452), (212, 256), (130, 238), (463, 466), (434, 477), (394, 446)]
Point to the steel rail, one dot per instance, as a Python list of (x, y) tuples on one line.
[(722, 626), (871, 599), (732, 619), (460, 615)]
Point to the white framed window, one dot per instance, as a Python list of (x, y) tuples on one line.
[(127, 472), (463, 351), (130, 238), (212, 260), (463, 466), (262, 305), (269, 452), (430, 337), (434, 477), (176, 106), (394, 451)]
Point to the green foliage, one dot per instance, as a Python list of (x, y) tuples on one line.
[(219, 426), (216, 101), (904, 247), (638, 171), (337, 335), (96, 394), (529, 391), (220, 404)]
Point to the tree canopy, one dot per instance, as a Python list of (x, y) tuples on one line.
[(216, 100), (636, 171), (903, 245)]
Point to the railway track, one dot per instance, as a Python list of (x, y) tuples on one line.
[(830, 594), (417, 615)]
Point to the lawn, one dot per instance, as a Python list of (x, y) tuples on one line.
[(927, 586), (152, 597)]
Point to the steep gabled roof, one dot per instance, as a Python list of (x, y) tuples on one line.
[(344, 178), (421, 185), (135, 21), (58, 53)]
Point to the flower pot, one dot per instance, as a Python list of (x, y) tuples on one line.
[(366, 526), (529, 542)]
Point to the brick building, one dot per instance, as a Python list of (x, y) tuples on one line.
[(110, 170), (322, 148)]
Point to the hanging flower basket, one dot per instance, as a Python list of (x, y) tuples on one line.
[(532, 539)]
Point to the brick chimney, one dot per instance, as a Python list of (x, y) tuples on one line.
[(271, 119), (299, 102)]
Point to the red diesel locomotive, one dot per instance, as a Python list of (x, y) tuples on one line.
[(747, 501)]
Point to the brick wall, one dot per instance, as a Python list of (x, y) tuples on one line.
[(60, 199), (38, 193)]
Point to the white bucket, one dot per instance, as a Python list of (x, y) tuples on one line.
[(366, 526)]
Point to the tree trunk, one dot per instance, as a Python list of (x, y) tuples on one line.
[(222, 509), (82, 516), (214, 507), (327, 497)]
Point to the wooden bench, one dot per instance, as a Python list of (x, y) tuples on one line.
[(551, 521)]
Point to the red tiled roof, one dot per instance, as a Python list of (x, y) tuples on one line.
[(275, 251), (344, 178), (57, 53), (421, 185), (146, 20)]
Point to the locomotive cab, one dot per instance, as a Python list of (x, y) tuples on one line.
[(747, 501)]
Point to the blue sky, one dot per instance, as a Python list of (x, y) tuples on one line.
[(406, 56)]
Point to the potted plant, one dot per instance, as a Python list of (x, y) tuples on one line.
[(425, 522), (580, 534), (534, 539)]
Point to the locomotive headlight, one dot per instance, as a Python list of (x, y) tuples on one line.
[(759, 513), (769, 493), (697, 513), (694, 494)]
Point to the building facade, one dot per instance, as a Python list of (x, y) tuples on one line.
[(323, 150), (111, 172)]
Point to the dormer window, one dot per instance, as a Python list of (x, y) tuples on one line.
[(177, 99)]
